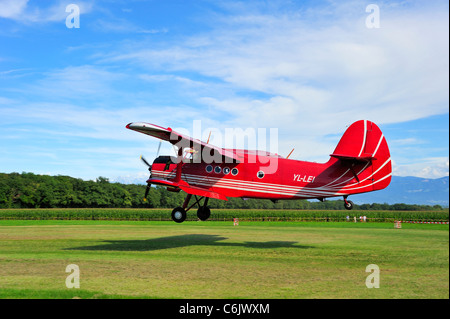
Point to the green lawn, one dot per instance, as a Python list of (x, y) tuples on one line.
[(120, 259)]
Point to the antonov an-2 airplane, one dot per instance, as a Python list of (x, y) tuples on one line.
[(360, 163)]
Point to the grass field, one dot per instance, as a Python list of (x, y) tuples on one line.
[(157, 259)]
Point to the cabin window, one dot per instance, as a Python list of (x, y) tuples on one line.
[(209, 168), (234, 171), (260, 174), (217, 170), (226, 170)]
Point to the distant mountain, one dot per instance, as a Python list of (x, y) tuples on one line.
[(409, 190)]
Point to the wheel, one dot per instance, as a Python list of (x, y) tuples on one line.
[(179, 215), (348, 204), (203, 213)]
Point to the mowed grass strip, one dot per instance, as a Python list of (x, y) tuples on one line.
[(120, 259)]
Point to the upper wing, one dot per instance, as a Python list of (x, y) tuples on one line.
[(210, 153)]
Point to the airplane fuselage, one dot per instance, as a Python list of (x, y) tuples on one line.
[(292, 179)]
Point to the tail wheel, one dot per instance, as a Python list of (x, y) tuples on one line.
[(179, 215), (203, 213), (348, 204)]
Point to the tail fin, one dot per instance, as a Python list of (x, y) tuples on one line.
[(363, 142)]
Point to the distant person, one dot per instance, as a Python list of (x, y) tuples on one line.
[(354, 218), (348, 218), (364, 218)]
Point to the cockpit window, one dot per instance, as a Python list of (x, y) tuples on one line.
[(162, 159)]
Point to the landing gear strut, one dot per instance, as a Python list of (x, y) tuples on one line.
[(348, 204), (203, 212)]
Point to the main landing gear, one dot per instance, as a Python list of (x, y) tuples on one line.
[(203, 211), (348, 204)]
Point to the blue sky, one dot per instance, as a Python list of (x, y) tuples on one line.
[(307, 68)]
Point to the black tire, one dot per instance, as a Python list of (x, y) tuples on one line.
[(179, 214), (203, 213), (348, 205)]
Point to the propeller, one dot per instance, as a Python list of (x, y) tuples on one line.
[(150, 170), (146, 163), (159, 147), (146, 192)]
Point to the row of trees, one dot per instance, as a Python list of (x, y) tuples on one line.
[(28, 190)]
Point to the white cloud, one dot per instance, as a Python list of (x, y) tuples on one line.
[(25, 12), (403, 142), (314, 76), (12, 8), (309, 72), (85, 102), (77, 82), (426, 168), (123, 26)]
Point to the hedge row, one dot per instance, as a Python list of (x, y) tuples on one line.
[(220, 214)]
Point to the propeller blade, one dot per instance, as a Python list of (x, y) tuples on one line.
[(145, 161), (146, 192), (159, 147)]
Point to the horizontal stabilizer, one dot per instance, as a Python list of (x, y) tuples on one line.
[(353, 158)]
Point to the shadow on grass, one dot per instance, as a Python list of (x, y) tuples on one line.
[(183, 241)]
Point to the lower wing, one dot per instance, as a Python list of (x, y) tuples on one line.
[(193, 190)]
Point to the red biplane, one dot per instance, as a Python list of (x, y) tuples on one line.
[(360, 163)]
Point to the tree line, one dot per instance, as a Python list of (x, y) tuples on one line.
[(28, 190)]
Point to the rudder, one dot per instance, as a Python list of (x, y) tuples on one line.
[(363, 141)]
